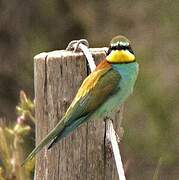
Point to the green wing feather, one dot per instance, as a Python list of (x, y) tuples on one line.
[(95, 90), (91, 100)]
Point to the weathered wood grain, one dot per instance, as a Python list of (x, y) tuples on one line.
[(83, 155)]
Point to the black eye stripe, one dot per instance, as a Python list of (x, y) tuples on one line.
[(119, 47)]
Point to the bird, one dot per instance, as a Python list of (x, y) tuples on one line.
[(100, 94)]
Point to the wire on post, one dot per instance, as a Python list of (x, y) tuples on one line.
[(82, 45)]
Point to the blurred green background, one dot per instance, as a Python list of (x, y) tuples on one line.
[(152, 113)]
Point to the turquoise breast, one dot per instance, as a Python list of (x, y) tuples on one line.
[(128, 73)]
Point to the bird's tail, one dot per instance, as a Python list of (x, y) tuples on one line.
[(45, 141), (67, 129), (59, 132)]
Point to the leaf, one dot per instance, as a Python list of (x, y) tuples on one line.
[(4, 150)]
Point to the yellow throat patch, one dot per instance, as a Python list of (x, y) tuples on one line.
[(120, 56)]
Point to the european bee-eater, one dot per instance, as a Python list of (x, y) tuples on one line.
[(101, 92)]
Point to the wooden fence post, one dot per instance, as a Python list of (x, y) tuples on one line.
[(83, 155)]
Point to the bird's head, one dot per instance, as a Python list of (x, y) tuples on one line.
[(120, 51)]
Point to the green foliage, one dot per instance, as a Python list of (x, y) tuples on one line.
[(25, 107), (12, 143)]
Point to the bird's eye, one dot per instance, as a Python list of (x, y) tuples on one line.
[(114, 48)]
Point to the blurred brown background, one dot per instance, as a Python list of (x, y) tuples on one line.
[(151, 114)]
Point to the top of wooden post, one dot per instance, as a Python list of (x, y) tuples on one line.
[(59, 53)]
